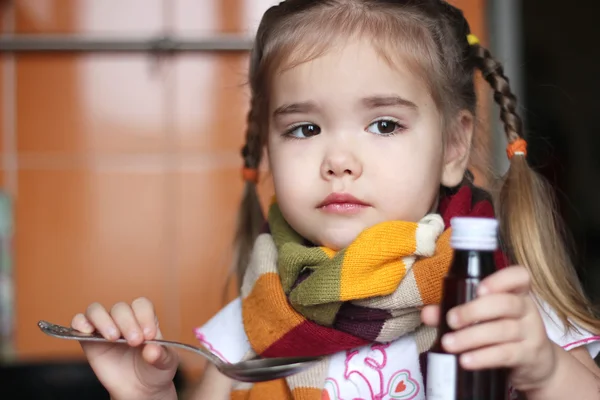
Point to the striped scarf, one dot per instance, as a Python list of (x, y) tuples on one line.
[(303, 300)]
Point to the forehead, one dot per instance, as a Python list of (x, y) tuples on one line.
[(346, 70)]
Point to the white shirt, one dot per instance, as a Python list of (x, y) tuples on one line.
[(373, 372)]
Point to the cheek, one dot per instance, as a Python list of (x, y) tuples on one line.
[(407, 182), (407, 176), (293, 192), (290, 174), (409, 159)]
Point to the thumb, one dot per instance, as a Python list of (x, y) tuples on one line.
[(160, 357)]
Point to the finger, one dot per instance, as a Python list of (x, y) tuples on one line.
[(515, 279), (487, 308), (483, 335), (81, 323), (430, 315), (159, 357), (159, 334), (145, 316), (124, 317), (97, 315), (506, 355)]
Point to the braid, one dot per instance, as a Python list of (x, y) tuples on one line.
[(493, 73), (251, 217), (252, 150)]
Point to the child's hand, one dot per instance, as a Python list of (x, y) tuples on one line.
[(501, 328), (128, 372)]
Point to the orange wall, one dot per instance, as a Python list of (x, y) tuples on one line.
[(128, 168)]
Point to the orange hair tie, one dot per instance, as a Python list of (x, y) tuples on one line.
[(518, 147), (250, 175)]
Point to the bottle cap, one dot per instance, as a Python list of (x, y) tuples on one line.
[(471, 233)]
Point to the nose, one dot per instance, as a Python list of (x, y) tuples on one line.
[(339, 163)]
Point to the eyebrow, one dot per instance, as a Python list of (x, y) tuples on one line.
[(387, 101), (295, 108), (369, 102)]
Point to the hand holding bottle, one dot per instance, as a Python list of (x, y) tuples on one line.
[(501, 328)]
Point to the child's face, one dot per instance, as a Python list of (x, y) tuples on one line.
[(335, 106)]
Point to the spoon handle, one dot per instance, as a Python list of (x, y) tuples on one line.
[(63, 332)]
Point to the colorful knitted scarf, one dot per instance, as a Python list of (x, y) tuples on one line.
[(303, 300)]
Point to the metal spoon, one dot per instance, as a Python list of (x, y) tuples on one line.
[(258, 370)]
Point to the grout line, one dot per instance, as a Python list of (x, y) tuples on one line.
[(167, 162), (9, 138)]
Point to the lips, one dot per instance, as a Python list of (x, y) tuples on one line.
[(341, 198), (342, 203)]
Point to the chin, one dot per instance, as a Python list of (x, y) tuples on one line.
[(338, 237), (338, 243)]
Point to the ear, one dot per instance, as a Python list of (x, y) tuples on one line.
[(457, 149)]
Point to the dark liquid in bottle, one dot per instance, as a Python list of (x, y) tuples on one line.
[(446, 380)]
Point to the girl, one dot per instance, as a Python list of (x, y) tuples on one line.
[(367, 111)]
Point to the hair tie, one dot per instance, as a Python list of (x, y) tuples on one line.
[(472, 39), (250, 175), (518, 147)]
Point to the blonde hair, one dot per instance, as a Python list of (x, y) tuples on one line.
[(431, 36)]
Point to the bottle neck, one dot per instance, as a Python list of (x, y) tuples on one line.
[(472, 264), (468, 269)]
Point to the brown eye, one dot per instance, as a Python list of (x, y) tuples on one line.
[(384, 127), (304, 131), (310, 130)]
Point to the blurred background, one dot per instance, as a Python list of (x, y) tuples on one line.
[(121, 123)]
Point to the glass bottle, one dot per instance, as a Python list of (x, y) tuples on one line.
[(474, 241)]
